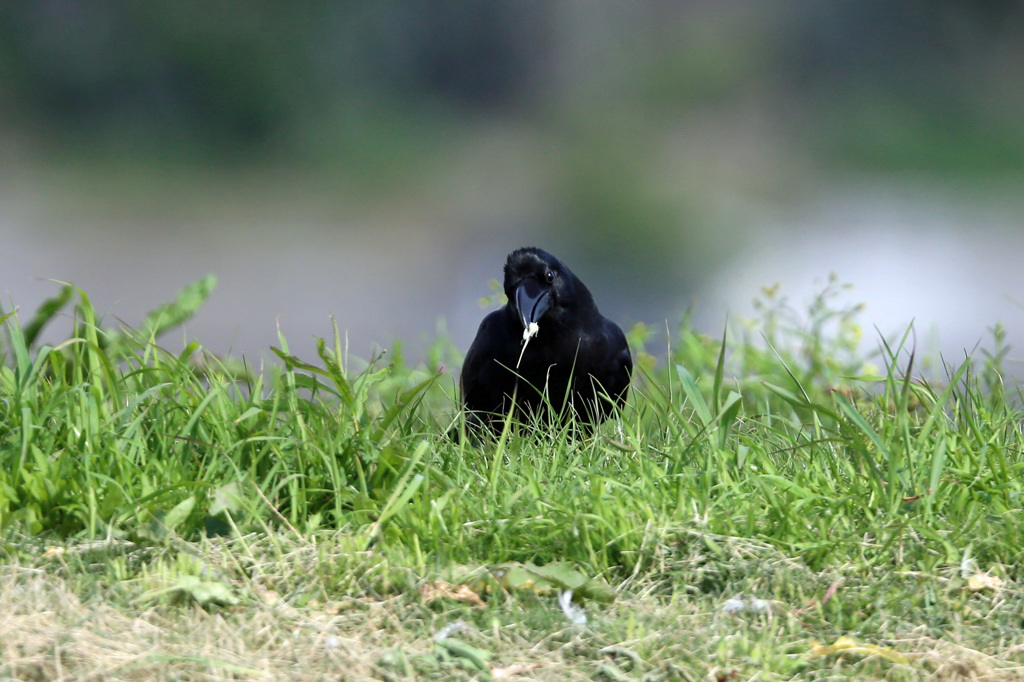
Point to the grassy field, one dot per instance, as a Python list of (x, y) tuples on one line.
[(771, 505)]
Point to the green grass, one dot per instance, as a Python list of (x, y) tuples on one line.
[(173, 514)]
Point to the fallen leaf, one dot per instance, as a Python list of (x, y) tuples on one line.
[(456, 647), (984, 581), (206, 592), (442, 590), (849, 645)]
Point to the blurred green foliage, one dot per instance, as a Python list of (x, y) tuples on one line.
[(868, 83), (264, 77)]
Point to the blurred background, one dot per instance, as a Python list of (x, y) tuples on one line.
[(377, 161)]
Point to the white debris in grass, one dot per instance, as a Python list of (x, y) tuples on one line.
[(450, 629), (528, 333), (968, 566), (576, 615), (738, 605)]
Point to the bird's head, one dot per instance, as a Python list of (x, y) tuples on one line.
[(540, 288)]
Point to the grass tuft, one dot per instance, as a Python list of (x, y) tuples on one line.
[(767, 504)]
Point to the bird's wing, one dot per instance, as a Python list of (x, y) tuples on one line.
[(479, 381), (620, 364)]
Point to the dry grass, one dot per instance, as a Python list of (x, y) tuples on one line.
[(51, 632), (67, 620), (48, 633)]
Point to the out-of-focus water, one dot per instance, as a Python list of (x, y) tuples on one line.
[(943, 259), (948, 261)]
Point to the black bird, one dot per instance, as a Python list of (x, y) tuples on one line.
[(572, 353)]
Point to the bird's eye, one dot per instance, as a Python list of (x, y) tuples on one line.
[(549, 276)]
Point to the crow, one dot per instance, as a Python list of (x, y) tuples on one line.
[(548, 348)]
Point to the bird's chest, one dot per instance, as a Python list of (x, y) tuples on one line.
[(557, 363)]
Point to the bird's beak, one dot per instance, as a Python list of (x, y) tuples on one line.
[(532, 301)]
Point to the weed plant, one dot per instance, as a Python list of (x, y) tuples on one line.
[(761, 493)]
